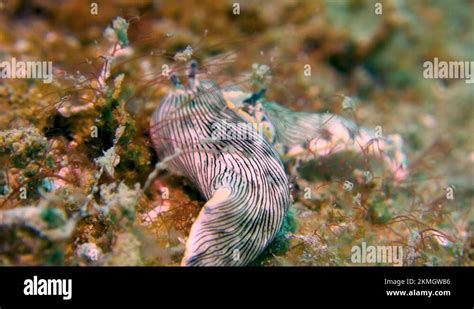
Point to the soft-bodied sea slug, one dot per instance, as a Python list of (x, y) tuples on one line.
[(240, 175)]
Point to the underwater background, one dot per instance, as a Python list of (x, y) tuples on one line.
[(80, 183)]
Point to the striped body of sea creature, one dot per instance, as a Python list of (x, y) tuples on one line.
[(241, 176)]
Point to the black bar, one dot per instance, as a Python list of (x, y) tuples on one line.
[(281, 285)]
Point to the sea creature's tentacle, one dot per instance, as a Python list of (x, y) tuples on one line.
[(241, 176)]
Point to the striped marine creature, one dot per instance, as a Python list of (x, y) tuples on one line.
[(302, 135), (240, 175)]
